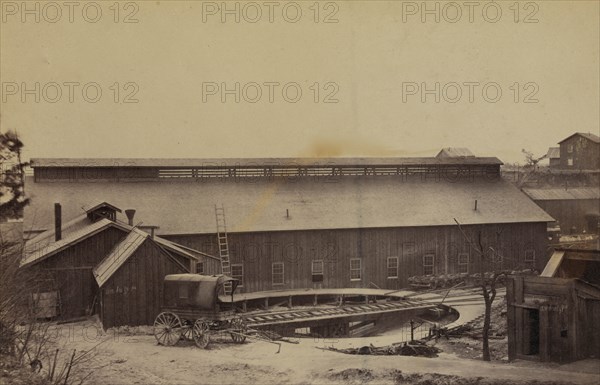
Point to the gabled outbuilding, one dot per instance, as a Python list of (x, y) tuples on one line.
[(96, 264)]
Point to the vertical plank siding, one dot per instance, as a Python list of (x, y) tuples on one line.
[(133, 295), (569, 315), (297, 249), (571, 214), (70, 271)]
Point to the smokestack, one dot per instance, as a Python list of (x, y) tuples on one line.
[(130, 214), (57, 222)]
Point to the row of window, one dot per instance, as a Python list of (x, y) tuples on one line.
[(318, 267)]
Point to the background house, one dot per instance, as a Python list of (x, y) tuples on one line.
[(310, 223), (580, 151)]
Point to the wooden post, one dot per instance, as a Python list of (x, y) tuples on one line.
[(511, 318), (544, 333), (366, 299), (315, 300), (290, 302), (518, 299), (572, 329)]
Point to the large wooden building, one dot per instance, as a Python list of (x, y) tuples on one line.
[(311, 223)]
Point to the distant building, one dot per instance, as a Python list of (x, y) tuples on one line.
[(455, 152), (577, 209), (580, 151), (553, 155), (556, 316)]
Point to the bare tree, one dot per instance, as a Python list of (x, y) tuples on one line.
[(531, 166), (487, 283)]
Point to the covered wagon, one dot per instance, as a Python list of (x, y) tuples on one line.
[(192, 309)]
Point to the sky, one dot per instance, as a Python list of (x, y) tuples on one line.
[(201, 79)]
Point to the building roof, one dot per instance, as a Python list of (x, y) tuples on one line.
[(100, 205), (594, 138), (44, 245), (119, 254), (253, 162), (455, 152), (187, 207), (571, 193), (553, 153)]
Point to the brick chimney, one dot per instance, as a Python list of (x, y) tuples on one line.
[(57, 222)]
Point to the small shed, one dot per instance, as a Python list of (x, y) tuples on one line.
[(556, 317), (130, 280)]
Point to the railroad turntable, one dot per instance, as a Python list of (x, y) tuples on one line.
[(201, 308)]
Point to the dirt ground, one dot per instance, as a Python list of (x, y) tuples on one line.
[(132, 356)]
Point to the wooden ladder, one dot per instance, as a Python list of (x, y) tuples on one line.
[(223, 246)]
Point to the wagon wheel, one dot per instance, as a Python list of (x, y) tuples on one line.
[(167, 329), (239, 326), (200, 332), (188, 333)]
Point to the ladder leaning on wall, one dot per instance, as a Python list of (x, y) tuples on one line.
[(223, 245)]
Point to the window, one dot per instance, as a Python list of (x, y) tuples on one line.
[(199, 267), (463, 263), (529, 255), (237, 272), (355, 269), (318, 270), (428, 260), (570, 148), (277, 270), (570, 161), (392, 267)]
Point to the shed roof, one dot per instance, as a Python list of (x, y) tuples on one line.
[(119, 254), (260, 205), (241, 162), (44, 245), (455, 152), (553, 153), (594, 138), (575, 193)]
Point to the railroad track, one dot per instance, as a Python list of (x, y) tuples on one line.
[(348, 311)]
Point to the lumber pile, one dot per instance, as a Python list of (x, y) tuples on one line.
[(413, 348)]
